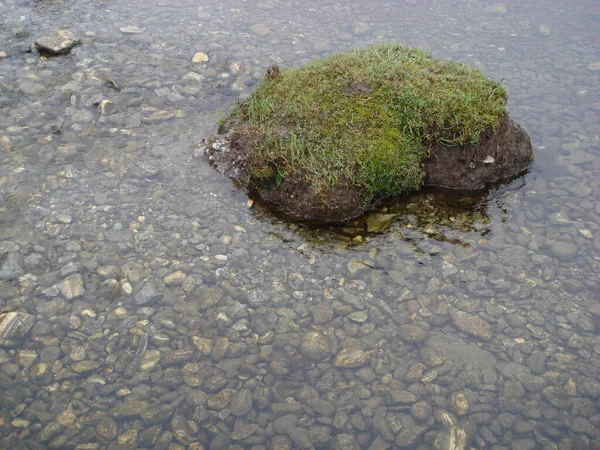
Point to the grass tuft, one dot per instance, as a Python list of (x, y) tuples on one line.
[(366, 118)]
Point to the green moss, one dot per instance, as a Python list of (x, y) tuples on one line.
[(366, 118)]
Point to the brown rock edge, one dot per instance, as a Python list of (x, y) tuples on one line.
[(496, 157)]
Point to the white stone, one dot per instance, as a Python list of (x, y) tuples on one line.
[(200, 57)]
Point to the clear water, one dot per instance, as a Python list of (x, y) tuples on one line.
[(169, 314)]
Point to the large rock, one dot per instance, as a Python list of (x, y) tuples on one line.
[(329, 140), (59, 43)]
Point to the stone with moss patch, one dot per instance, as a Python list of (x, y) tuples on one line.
[(327, 140)]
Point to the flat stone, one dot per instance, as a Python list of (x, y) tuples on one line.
[(11, 268), (377, 222), (72, 286), (85, 366), (241, 403), (14, 326), (148, 294), (107, 428), (243, 429), (200, 57), (351, 358), (59, 43), (564, 250), (408, 437), (260, 29), (400, 397), (461, 352), (131, 29), (133, 408), (411, 333), (594, 66), (473, 325)]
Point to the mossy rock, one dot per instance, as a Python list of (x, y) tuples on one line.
[(328, 140)]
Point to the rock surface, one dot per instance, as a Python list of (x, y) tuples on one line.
[(59, 43)]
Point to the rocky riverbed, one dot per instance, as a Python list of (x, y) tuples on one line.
[(145, 304)]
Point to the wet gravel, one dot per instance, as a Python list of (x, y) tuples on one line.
[(145, 303)]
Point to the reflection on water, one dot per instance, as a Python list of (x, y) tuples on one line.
[(146, 306)]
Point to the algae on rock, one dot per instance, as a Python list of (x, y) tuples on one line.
[(326, 140)]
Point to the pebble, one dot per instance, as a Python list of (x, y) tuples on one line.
[(473, 325), (260, 29), (315, 346), (200, 57), (131, 29), (351, 358), (59, 43)]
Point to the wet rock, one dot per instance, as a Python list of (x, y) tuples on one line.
[(59, 43), (181, 431), (353, 300), (243, 429), (149, 294), (315, 346), (11, 267), (411, 333), (532, 383), (200, 57), (49, 431), (260, 29), (461, 352), (157, 414), (377, 222), (400, 397), (72, 286), (241, 403), (557, 397), (564, 250), (458, 404), (345, 441), (177, 357), (421, 410), (107, 428), (132, 408), (300, 438), (321, 313), (408, 437), (131, 29), (352, 358), (85, 366), (473, 325), (13, 327)]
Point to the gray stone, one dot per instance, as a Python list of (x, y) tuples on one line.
[(241, 403), (473, 325), (564, 251), (408, 437), (512, 369), (531, 382), (400, 397), (148, 294), (284, 423), (14, 326), (300, 438), (345, 441), (352, 358), (11, 267), (243, 429), (315, 346), (411, 333), (353, 300), (59, 43), (460, 352)]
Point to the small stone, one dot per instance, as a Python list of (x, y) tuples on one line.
[(126, 288), (360, 28), (131, 29), (150, 359), (200, 57), (408, 437), (359, 316), (49, 431), (564, 250), (14, 326), (85, 366), (400, 397), (241, 404), (594, 66), (421, 410), (3, 55), (260, 29), (315, 346), (243, 429), (351, 358), (11, 267), (147, 295), (175, 279), (472, 325), (72, 286), (377, 222), (411, 333), (203, 345), (58, 44), (129, 409), (20, 423), (458, 404), (107, 428)]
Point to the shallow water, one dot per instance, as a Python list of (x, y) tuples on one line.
[(168, 314)]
